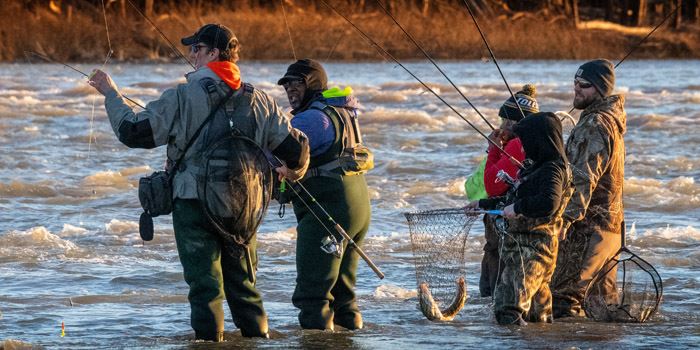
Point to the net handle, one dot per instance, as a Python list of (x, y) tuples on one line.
[(622, 235)]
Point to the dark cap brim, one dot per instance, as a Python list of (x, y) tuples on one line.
[(287, 78), (190, 40)]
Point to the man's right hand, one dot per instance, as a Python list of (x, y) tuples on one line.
[(102, 82)]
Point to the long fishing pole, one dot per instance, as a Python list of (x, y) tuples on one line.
[(172, 46), (385, 52), (648, 35), (493, 57), (425, 53), (335, 225), (289, 32), (637, 45), (48, 59)]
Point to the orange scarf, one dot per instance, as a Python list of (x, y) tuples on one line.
[(228, 72)]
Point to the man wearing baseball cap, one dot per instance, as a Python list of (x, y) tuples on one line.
[(214, 94), (594, 216)]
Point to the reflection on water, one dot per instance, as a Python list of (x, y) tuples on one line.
[(70, 250)]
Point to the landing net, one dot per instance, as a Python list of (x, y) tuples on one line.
[(439, 240), (626, 289)]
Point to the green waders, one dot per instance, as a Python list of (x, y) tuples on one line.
[(324, 292), (213, 276)]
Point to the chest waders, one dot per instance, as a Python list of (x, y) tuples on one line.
[(215, 231)]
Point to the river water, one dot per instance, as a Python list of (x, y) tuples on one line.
[(70, 251)]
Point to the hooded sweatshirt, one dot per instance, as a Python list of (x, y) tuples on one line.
[(544, 184)]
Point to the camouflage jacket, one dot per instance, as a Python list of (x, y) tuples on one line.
[(596, 152)]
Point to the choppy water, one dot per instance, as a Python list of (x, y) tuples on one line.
[(70, 250)]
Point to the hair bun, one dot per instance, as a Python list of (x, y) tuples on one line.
[(528, 89)]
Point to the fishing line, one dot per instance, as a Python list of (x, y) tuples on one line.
[(434, 63), (289, 32), (641, 42), (493, 57), (648, 35), (338, 228), (382, 50), (172, 46), (48, 59)]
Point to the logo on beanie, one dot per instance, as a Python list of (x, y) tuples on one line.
[(527, 104), (579, 72)]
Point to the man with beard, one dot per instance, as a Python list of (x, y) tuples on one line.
[(593, 217)]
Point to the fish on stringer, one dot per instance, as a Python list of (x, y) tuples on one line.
[(430, 308)]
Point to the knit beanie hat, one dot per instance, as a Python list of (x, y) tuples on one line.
[(308, 70), (600, 73), (526, 100)]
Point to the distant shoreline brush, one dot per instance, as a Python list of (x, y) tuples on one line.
[(75, 32)]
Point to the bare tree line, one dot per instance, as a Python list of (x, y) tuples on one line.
[(626, 12)]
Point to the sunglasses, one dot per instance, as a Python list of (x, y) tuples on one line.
[(196, 48), (582, 84), (293, 84)]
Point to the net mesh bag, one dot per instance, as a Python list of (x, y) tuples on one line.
[(626, 289), (236, 190), (438, 240)]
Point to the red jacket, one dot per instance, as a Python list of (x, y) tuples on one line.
[(496, 161)]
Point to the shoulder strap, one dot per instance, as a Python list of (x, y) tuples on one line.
[(194, 136)]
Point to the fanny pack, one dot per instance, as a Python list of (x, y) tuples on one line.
[(156, 194)]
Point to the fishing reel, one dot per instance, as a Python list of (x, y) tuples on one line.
[(330, 245), (503, 176)]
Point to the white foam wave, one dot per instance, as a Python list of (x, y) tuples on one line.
[(35, 237), (70, 230), (681, 234), (390, 291), (108, 179), (121, 227), (287, 235), (400, 117), (22, 189), (679, 194)]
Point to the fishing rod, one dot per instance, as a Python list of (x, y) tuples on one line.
[(648, 35), (388, 13), (48, 59), (386, 53), (172, 46), (336, 226), (637, 45), (493, 57), (289, 32)]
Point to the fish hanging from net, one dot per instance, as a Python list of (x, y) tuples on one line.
[(235, 192), (626, 289), (439, 239)]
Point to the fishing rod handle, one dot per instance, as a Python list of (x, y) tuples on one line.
[(362, 254)]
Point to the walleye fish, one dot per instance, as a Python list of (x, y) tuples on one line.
[(430, 308)]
